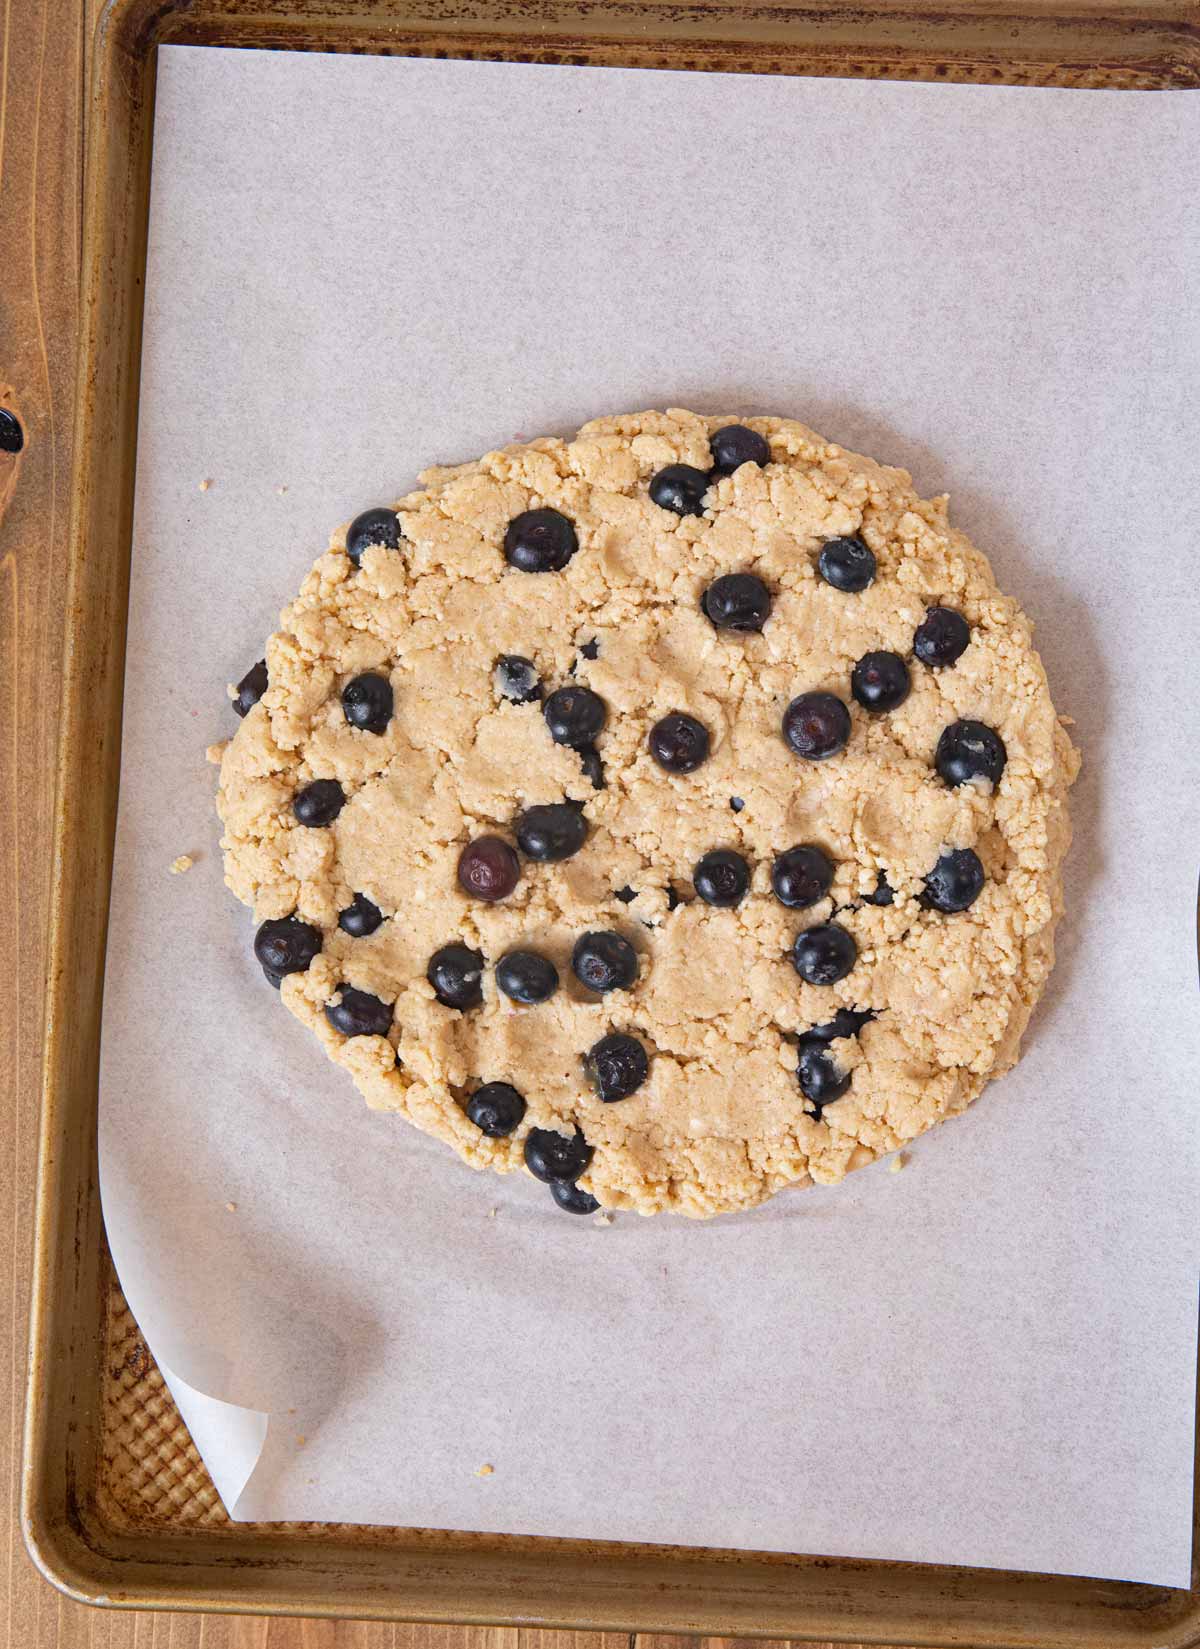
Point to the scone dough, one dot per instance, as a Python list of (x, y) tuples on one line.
[(720, 1123)]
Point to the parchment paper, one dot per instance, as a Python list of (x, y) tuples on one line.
[(362, 265)]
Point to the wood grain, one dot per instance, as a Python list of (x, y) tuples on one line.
[(43, 66)]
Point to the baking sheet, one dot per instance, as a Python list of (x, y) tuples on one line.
[(359, 266)]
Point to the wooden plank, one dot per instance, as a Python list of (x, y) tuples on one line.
[(41, 84)]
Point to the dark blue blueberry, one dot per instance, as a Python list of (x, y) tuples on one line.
[(525, 976), (372, 527), (12, 436), (680, 489), (816, 726), (359, 1014), (847, 564), (679, 742), (955, 882), (825, 954), (455, 972), (845, 1022), (970, 750), (822, 1079), (251, 688), (367, 703), (942, 638), (721, 877), (616, 1066), (574, 715), (551, 1156), (319, 803), (593, 767), (568, 1196), (540, 541), (496, 1109), (883, 894), (516, 679), (879, 681), (488, 868), (800, 876), (736, 803), (590, 649), (604, 962), (735, 445), (737, 601), (551, 831), (286, 946), (360, 917)]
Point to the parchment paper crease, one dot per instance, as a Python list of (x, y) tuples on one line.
[(359, 266)]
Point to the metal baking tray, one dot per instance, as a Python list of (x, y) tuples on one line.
[(117, 1507)]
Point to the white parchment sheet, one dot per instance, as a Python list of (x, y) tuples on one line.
[(359, 266)]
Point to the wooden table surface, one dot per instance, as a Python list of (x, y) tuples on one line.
[(44, 60)]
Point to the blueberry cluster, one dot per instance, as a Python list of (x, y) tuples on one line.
[(681, 488), (601, 961), (821, 1078), (817, 725), (489, 867), (615, 1066)]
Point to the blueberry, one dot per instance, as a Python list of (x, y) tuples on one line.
[(735, 445), (286, 946), (679, 742), (319, 803), (847, 564), (845, 1022), (516, 679), (593, 767), (574, 715), (590, 649), (539, 541), (879, 681), (455, 972), (821, 1079), (359, 1014), (816, 726), (680, 489), (372, 527), (251, 688), (825, 954), (800, 876), (604, 962), (12, 436), (616, 1066), (736, 803), (737, 601), (883, 894), (626, 895), (955, 882), (568, 1196), (721, 877), (551, 831), (360, 917), (551, 1156), (367, 703), (526, 977), (969, 750), (496, 1109), (488, 868), (941, 638)]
